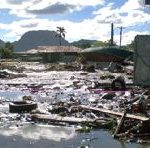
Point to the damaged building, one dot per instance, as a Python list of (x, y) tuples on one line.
[(50, 54), (102, 56)]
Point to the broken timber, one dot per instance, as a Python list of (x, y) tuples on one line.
[(118, 129), (59, 119), (119, 114)]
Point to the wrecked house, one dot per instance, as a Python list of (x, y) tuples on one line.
[(28, 56), (51, 54), (58, 53), (102, 56)]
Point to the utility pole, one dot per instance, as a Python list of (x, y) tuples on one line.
[(112, 35), (121, 28)]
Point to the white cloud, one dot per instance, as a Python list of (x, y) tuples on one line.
[(20, 8), (72, 2), (131, 5), (94, 28), (133, 10), (132, 13), (18, 28), (88, 29), (40, 132), (129, 36)]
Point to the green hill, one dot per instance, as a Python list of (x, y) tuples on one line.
[(83, 43)]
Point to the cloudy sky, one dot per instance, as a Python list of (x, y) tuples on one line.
[(82, 19)]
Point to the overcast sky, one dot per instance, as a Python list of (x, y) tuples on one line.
[(82, 19)]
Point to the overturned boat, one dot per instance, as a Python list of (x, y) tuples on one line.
[(21, 107)]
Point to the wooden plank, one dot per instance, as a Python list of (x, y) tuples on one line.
[(136, 117), (56, 118), (118, 129)]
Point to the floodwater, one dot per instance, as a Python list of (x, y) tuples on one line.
[(42, 136)]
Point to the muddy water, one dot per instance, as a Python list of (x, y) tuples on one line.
[(38, 136)]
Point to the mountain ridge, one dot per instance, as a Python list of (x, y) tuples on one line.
[(33, 39)]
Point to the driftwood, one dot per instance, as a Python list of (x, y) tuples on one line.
[(118, 114), (59, 119)]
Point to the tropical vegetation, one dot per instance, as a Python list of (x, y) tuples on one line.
[(60, 33), (7, 50), (83, 43)]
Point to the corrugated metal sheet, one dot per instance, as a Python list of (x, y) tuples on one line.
[(112, 51)]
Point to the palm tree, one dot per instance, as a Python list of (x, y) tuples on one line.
[(60, 33)]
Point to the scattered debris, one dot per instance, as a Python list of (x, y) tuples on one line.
[(118, 83), (84, 129), (91, 99)]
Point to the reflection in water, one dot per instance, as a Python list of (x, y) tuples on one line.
[(122, 144), (42, 136), (36, 132)]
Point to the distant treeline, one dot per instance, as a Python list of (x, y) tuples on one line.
[(94, 43), (7, 50)]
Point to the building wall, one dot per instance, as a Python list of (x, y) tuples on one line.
[(28, 57), (47, 57), (59, 57), (142, 60), (69, 57)]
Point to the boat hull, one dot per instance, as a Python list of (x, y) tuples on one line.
[(21, 107)]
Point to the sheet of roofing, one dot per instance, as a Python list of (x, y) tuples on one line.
[(114, 51)]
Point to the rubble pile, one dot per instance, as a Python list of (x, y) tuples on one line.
[(98, 99)]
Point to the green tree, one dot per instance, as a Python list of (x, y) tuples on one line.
[(60, 34), (84, 45), (7, 50), (109, 43), (9, 46), (100, 44), (130, 46)]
